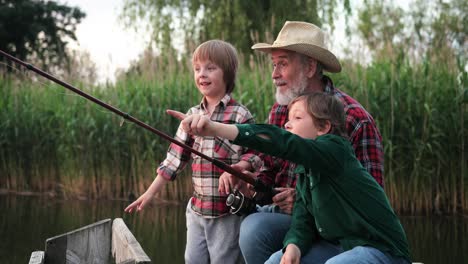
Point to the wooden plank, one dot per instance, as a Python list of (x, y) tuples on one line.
[(89, 244), (125, 247), (55, 249), (37, 257)]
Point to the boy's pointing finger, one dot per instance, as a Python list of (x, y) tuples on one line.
[(176, 114)]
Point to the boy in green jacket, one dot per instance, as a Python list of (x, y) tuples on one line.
[(337, 200)]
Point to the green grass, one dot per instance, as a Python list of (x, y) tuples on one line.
[(52, 140)]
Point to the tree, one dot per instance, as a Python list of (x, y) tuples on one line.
[(236, 21), (38, 30), (431, 27), (380, 23)]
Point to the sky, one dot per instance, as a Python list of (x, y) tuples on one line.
[(112, 47)]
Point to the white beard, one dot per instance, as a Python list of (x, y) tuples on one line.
[(294, 91), (284, 98)]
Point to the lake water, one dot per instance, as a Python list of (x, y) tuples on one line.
[(26, 222)]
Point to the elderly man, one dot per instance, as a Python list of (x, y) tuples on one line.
[(299, 57)]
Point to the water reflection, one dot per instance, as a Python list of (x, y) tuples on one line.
[(437, 239), (26, 222)]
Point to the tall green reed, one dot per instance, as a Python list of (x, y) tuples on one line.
[(418, 110), (52, 140)]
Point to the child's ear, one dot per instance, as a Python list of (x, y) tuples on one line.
[(325, 129)]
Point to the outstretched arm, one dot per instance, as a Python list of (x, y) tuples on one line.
[(146, 198), (201, 125), (318, 154)]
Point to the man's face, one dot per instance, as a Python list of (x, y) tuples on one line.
[(288, 75)]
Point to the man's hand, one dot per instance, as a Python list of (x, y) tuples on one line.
[(285, 199), (292, 255)]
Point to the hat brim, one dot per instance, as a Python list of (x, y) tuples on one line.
[(329, 61)]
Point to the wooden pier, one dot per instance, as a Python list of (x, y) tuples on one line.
[(103, 242)]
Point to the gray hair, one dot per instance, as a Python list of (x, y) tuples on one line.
[(304, 59)]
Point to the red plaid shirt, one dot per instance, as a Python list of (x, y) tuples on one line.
[(206, 200), (362, 132)]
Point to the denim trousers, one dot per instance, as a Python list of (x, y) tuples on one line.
[(261, 240), (359, 255), (262, 233), (319, 253)]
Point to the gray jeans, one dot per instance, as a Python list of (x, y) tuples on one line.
[(212, 240)]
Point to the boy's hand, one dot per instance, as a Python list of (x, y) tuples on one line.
[(140, 203), (228, 182), (176, 114), (195, 124), (291, 255)]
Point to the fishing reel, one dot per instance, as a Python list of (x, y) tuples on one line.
[(239, 204)]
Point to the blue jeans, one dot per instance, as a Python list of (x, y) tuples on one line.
[(323, 253), (366, 255), (319, 253), (262, 234)]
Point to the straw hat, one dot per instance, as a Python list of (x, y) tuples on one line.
[(304, 38)]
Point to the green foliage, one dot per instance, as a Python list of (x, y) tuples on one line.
[(53, 140), (37, 28), (418, 110), (238, 21), (379, 23), (436, 27), (414, 86)]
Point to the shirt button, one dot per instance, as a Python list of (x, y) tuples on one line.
[(247, 133)]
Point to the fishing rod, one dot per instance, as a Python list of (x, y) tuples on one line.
[(258, 185)]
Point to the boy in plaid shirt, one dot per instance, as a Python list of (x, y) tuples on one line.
[(212, 232)]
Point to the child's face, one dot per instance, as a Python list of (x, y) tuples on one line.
[(209, 79), (301, 122)]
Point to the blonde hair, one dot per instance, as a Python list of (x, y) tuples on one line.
[(222, 54), (324, 107)]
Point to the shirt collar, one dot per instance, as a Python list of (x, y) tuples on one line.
[(222, 103)]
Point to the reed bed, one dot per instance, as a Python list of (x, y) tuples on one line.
[(54, 141)]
